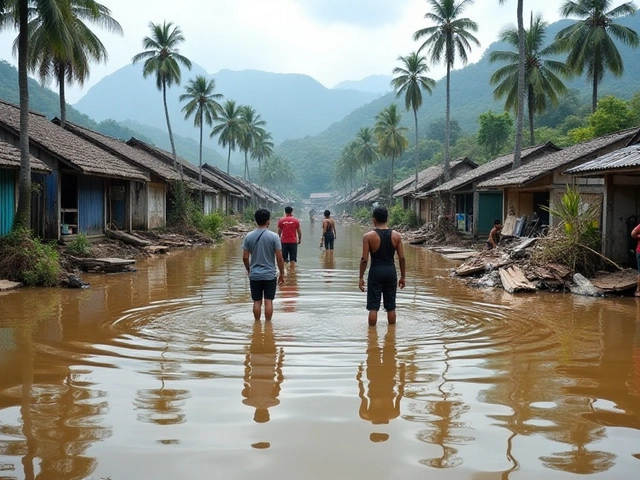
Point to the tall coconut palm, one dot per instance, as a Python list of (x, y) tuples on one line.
[(203, 104), (542, 82), (65, 55), (391, 139), (590, 41), (450, 37), (16, 14), (411, 81), (366, 151), (252, 129), (517, 152), (228, 128), (162, 58), (262, 149)]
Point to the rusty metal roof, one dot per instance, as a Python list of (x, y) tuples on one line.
[(627, 157)]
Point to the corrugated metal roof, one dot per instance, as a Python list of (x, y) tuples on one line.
[(542, 166), (628, 157), (491, 168), (71, 149)]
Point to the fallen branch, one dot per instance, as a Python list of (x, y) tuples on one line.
[(601, 256)]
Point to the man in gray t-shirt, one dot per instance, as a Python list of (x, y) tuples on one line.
[(260, 251)]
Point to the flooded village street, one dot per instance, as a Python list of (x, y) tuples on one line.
[(162, 374)]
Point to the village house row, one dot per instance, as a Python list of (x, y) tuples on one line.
[(87, 182), (606, 170)]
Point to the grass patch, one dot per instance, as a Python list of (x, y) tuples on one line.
[(79, 246), (26, 259)]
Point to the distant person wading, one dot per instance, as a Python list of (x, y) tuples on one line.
[(290, 236), (328, 231)]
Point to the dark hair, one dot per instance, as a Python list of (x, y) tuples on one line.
[(262, 216), (497, 221), (327, 213), (380, 214), (288, 210)]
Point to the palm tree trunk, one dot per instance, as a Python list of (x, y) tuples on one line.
[(530, 109), (63, 101), (23, 214), (166, 114), (229, 159), (447, 127), (594, 93), (200, 163), (517, 154), (417, 160), (393, 160)]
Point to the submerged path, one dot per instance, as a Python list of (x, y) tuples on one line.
[(163, 374)]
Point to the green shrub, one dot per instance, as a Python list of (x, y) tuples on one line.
[(363, 214), (79, 246), (211, 224), (26, 259), (398, 217)]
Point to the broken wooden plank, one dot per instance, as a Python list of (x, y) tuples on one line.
[(616, 282), (460, 255), (127, 238), (514, 280), (561, 271), (6, 285), (466, 270), (525, 244)]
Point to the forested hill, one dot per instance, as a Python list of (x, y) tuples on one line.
[(471, 95), (47, 102), (293, 105)]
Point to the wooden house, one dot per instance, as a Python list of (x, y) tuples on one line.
[(88, 188), (239, 196), (474, 210), (619, 170), (542, 182), (9, 169)]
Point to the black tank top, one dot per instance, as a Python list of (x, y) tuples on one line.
[(384, 254)]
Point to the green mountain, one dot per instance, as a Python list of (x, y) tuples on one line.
[(293, 105), (47, 102), (471, 95)]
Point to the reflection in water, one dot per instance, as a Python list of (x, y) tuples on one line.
[(381, 403), (289, 291), (262, 372)]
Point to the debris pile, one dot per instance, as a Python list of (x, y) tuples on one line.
[(430, 235)]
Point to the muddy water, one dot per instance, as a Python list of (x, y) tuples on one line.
[(162, 374)]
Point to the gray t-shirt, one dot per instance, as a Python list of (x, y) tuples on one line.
[(262, 244)]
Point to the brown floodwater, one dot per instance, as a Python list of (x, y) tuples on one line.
[(162, 374)]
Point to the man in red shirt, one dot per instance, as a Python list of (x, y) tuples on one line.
[(290, 236)]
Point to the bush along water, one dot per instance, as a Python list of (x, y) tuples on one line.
[(26, 259), (79, 246)]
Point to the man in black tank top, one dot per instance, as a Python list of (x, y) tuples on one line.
[(382, 243)]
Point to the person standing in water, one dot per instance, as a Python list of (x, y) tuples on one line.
[(261, 250), (382, 244), (328, 231), (290, 235)]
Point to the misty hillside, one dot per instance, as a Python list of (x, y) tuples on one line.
[(293, 105), (471, 95), (374, 83)]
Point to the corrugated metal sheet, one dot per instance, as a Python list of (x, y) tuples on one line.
[(627, 157), (7, 200), (90, 205)]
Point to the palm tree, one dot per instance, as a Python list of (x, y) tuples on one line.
[(16, 14), (541, 74), (262, 148), (64, 54), (277, 171), (391, 140), (228, 128), (203, 104), (411, 80), (590, 41), (366, 151), (517, 152), (162, 59), (449, 38), (251, 128)]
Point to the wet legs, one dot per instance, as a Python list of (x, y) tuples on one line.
[(268, 310), (373, 317)]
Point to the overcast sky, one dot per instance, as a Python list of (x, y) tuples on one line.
[(330, 40)]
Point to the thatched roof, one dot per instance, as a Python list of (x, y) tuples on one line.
[(545, 165), (491, 168), (72, 150), (355, 194), (10, 159), (624, 160), (371, 196), (427, 177)]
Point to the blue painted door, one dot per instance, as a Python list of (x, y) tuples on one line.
[(7, 200), (90, 205)]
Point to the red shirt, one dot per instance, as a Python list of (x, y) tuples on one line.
[(289, 227), (637, 236)]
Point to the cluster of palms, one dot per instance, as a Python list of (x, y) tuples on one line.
[(236, 126), (531, 76)]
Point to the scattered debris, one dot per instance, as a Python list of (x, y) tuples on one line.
[(74, 281), (513, 280), (6, 285), (105, 265), (616, 282), (582, 286)]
